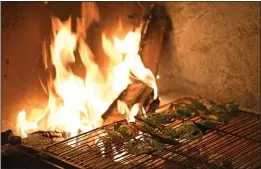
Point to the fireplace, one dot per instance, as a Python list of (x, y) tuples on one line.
[(190, 49)]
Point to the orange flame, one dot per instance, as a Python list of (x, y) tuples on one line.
[(77, 104)]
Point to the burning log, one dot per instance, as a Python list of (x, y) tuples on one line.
[(155, 25), (130, 96)]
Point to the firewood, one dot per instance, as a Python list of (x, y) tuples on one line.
[(157, 23), (155, 26), (130, 96)]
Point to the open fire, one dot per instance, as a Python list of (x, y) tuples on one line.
[(76, 104), (93, 118)]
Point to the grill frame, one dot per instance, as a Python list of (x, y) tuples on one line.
[(230, 139)]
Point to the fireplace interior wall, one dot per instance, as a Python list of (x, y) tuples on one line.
[(213, 50)]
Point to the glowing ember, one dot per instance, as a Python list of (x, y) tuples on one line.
[(75, 104)]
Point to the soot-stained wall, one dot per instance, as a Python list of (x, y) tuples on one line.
[(213, 51)]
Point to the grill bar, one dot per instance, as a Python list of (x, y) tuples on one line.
[(237, 143), (220, 146)]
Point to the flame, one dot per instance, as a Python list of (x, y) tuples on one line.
[(76, 104), (130, 113)]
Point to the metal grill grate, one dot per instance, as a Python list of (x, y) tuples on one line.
[(237, 143)]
